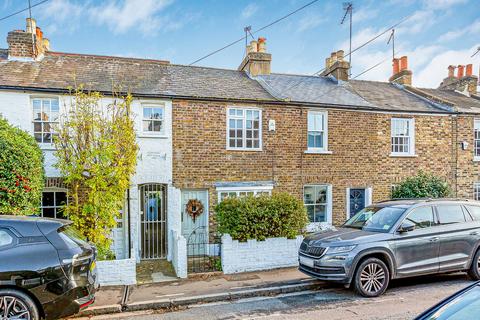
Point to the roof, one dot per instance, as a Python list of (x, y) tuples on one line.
[(461, 102), (139, 76), (311, 89)]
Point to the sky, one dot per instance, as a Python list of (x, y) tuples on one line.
[(437, 34)]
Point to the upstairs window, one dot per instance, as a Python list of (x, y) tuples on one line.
[(244, 129), (317, 131), (476, 143), (403, 134), (45, 119), (153, 119)]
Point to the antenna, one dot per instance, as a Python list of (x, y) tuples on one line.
[(478, 50), (33, 31), (392, 38), (348, 7), (247, 30)]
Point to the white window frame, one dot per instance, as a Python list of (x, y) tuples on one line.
[(411, 136), (244, 189), (329, 203), (476, 127), (55, 207), (244, 129), (160, 133), (476, 191), (324, 115), (43, 144), (368, 198)]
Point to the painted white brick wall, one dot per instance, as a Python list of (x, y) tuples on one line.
[(256, 255), (117, 272), (179, 256)]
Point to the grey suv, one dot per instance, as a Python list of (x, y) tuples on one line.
[(396, 239)]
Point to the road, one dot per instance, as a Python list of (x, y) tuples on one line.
[(403, 300)]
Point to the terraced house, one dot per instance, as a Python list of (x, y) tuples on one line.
[(207, 133)]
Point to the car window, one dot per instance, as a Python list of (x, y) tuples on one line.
[(376, 219), (466, 306), (450, 213), (474, 211), (5, 239), (421, 217)]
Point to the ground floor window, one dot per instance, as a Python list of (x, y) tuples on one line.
[(317, 200), (53, 202), (234, 192), (476, 191)]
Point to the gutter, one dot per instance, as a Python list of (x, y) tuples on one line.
[(230, 100)]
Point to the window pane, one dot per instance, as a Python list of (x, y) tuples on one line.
[(231, 124), (320, 194), (308, 194), (311, 213), (54, 105), (147, 113), (157, 126), (48, 199), (5, 238), (48, 212), (157, 113), (231, 112), (320, 213), (60, 198), (474, 211), (450, 214), (422, 217)]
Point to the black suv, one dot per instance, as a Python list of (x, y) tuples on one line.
[(46, 271)]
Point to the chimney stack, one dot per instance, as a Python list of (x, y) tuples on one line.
[(401, 74), (464, 82), (257, 61), (336, 66), (28, 44)]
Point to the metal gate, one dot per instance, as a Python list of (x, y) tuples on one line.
[(153, 221), (203, 251)]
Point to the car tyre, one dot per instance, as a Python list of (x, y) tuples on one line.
[(474, 271), (18, 304), (371, 278)]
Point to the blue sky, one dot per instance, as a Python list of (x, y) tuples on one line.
[(439, 33)]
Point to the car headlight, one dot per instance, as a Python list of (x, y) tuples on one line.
[(342, 249)]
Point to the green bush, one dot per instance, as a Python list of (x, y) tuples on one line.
[(422, 185), (21, 171), (265, 216)]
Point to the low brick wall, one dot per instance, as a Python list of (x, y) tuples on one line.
[(179, 256), (117, 272), (259, 255)]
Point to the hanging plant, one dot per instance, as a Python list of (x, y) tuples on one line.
[(194, 208)]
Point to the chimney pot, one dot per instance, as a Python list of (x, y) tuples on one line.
[(403, 63), (396, 65), (460, 71), (451, 71), (262, 45), (469, 70), (31, 25), (46, 44), (340, 55), (254, 45)]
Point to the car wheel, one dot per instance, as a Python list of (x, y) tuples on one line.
[(17, 305), (474, 271), (372, 278)]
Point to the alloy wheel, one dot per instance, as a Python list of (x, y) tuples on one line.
[(12, 308), (372, 278), (478, 264)]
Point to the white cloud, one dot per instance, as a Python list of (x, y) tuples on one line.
[(309, 21), (420, 21), (471, 29), (364, 14), (65, 16), (442, 4), (249, 11)]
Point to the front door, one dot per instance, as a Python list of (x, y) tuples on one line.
[(357, 198), (195, 228), (153, 221)]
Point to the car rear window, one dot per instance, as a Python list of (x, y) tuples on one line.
[(450, 213), (5, 239), (474, 211), (71, 236)]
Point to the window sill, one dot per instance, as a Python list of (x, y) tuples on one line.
[(318, 152), (244, 149), (47, 147), (476, 159), (154, 136), (400, 155)]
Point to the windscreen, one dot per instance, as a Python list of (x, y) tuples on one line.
[(377, 219)]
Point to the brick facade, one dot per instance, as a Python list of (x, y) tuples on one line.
[(359, 142)]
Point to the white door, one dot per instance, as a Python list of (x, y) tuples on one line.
[(195, 231)]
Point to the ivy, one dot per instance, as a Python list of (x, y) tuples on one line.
[(96, 152), (21, 171), (422, 185), (265, 216)]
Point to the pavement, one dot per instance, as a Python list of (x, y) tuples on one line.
[(404, 300), (204, 288)]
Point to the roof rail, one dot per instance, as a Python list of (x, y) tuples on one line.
[(426, 199)]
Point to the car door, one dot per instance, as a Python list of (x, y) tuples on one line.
[(458, 236), (416, 252)]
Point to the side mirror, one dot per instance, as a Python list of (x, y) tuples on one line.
[(406, 227)]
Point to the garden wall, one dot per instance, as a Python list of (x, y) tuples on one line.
[(117, 272)]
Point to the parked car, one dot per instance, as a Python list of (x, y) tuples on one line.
[(396, 239), (463, 305), (46, 271)]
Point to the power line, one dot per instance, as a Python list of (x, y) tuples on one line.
[(256, 31), (23, 10)]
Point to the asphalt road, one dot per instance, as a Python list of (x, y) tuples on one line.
[(404, 300)]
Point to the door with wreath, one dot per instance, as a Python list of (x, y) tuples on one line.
[(195, 220)]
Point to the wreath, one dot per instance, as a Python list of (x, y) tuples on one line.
[(194, 208)]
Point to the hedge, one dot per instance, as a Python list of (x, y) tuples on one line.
[(422, 185), (21, 171), (265, 216)]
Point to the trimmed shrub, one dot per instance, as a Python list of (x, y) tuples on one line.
[(422, 185), (265, 216), (21, 171)]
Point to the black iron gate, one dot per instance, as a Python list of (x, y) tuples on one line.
[(153, 221), (203, 251)]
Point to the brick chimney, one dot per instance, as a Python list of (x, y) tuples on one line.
[(401, 74), (465, 81), (27, 44), (336, 66), (257, 61)]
